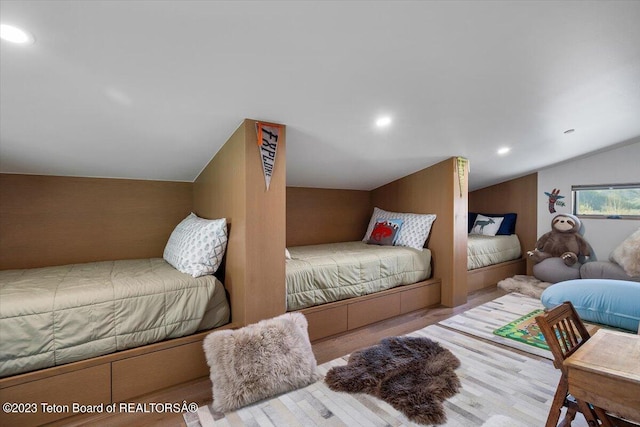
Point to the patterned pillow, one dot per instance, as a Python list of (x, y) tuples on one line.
[(507, 227), (487, 226), (385, 232), (415, 227), (196, 246)]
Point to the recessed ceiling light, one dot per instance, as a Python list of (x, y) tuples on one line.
[(503, 150), (383, 121), (568, 131), (15, 35)]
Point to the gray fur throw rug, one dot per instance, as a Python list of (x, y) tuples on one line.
[(525, 285), (413, 374)]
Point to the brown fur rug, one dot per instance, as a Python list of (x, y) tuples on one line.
[(414, 375)]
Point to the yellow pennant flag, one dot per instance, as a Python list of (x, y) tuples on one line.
[(462, 164)]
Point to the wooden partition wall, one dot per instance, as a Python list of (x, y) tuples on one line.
[(232, 186), (517, 195), (316, 215), (436, 190), (53, 220)]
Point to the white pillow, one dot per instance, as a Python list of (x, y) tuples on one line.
[(627, 255), (415, 227), (196, 246), (487, 226)]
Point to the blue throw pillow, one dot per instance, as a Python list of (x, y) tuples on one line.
[(604, 301), (472, 220)]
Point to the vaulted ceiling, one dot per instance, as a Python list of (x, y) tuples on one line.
[(152, 89)]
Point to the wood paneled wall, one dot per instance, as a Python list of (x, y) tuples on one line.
[(51, 220), (232, 186), (316, 215), (436, 190), (517, 195)]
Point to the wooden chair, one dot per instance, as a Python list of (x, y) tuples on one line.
[(564, 333)]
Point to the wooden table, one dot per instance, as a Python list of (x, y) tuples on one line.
[(605, 371)]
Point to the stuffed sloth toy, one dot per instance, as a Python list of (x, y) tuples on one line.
[(562, 241)]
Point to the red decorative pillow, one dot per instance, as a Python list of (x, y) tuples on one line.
[(385, 232)]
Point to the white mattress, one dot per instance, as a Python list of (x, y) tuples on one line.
[(483, 250)]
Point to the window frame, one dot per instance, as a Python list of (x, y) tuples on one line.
[(574, 198)]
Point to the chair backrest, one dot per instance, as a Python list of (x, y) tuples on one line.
[(563, 331)]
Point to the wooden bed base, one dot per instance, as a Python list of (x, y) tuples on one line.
[(337, 317), (489, 276), (129, 374), (112, 378)]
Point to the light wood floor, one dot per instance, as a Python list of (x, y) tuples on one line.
[(199, 391)]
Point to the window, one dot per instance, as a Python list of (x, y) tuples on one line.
[(619, 201)]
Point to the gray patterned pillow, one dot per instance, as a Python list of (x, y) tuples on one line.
[(196, 246), (415, 227)]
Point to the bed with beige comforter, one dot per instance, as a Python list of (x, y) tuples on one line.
[(55, 315), (483, 251), (319, 274)]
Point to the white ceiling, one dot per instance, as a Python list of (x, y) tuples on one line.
[(152, 89)]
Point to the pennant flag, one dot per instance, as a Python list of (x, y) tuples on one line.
[(462, 163), (268, 142)]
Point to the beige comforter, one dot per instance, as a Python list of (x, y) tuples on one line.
[(56, 315), (319, 274), (483, 251)]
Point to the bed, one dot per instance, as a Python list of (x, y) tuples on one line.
[(57, 315), (483, 251), (494, 251), (98, 333), (344, 286), (320, 274)]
